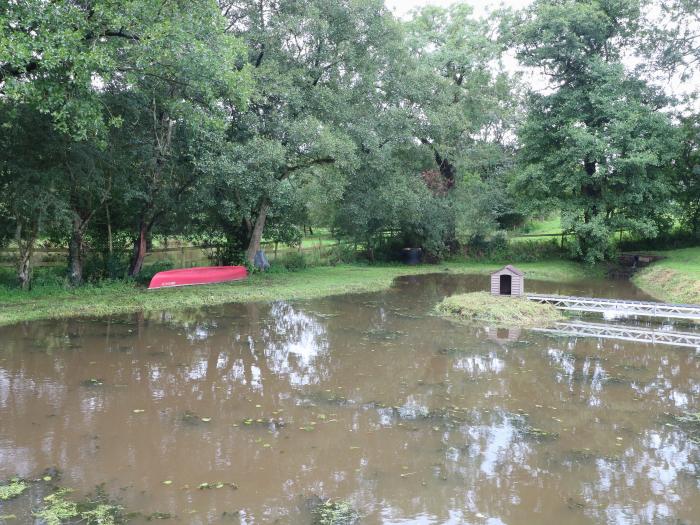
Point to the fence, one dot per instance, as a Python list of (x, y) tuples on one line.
[(182, 256)]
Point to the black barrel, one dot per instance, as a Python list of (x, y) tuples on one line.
[(412, 256)]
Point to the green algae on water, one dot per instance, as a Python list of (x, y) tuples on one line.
[(96, 509), (335, 513), (12, 489)]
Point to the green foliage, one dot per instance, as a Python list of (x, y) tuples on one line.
[(149, 271), (12, 488), (53, 56), (476, 216), (239, 121), (402, 207), (526, 251), (294, 261), (671, 38), (342, 253), (685, 172), (596, 145)]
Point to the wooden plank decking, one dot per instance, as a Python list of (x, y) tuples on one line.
[(619, 306)]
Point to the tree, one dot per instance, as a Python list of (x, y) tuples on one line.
[(173, 61), (86, 187), (464, 101), (672, 37), (685, 173), (594, 146), (30, 203), (320, 69), (54, 56), (177, 110)]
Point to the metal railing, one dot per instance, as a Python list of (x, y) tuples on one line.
[(619, 306), (625, 333)]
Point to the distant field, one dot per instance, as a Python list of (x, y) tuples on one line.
[(538, 229)]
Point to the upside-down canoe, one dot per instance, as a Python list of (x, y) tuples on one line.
[(201, 275)]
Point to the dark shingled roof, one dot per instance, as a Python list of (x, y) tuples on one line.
[(511, 269)]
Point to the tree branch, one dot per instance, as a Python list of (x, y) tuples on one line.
[(315, 162)]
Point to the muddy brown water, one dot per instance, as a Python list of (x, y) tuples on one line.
[(364, 398)]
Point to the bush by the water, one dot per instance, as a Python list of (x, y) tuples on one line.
[(482, 307), (149, 271), (499, 248), (294, 262)]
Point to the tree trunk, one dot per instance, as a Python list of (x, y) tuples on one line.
[(26, 252), (256, 235), (75, 252), (140, 246), (110, 242), (24, 270), (447, 170), (591, 191)]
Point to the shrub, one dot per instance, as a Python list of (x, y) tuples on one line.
[(526, 251), (99, 267), (147, 273), (294, 261), (342, 253), (498, 248)]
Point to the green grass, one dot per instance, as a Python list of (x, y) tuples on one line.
[(674, 279), (539, 229), (546, 226), (482, 307), (54, 301)]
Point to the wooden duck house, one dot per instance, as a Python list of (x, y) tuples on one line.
[(508, 281)]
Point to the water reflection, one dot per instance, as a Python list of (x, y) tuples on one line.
[(366, 398)]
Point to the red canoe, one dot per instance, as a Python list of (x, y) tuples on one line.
[(192, 276)]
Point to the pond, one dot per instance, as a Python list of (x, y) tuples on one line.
[(368, 399)]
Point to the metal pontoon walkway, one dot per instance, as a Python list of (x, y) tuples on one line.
[(619, 306), (607, 331)]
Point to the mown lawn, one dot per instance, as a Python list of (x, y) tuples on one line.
[(675, 279), (118, 297)]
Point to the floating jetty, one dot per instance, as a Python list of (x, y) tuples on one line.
[(619, 306), (625, 333)]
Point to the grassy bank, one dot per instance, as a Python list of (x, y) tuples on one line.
[(120, 297), (675, 279), (482, 307)]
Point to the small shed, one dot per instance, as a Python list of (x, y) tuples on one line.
[(508, 281)]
